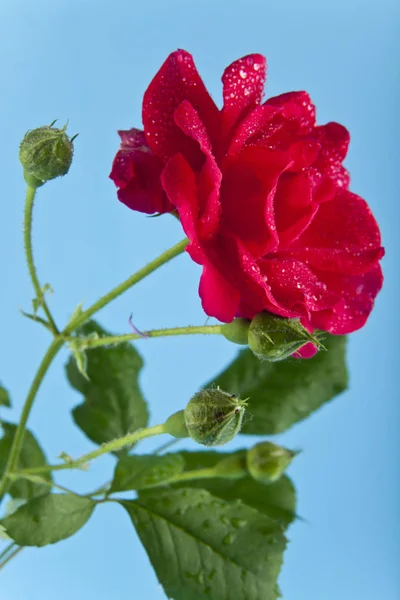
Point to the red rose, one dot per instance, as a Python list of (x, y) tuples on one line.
[(261, 194)]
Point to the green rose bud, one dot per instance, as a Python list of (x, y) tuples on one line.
[(45, 153), (237, 331), (274, 338), (266, 462), (214, 417)]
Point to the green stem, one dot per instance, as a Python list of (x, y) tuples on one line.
[(19, 434), (111, 340), (29, 203), (60, 339), (42, 481), (125, 285), (6, 550), (10, 556), (207, 473), (106, 448)]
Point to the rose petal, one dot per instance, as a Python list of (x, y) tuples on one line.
[(294, 207), (306, 351), (177, 80), (261, 119), (298, 112), (179, 183), (210, 176), (243, 83), (247, 196), (343, 237), (136, 171), (296, 287), (220, 299), (358, 294), (334, 141)]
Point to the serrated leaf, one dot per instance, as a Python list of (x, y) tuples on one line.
[(283, 393), (4, 397), (114, 405), (48, 519), (202, 547), (276, 500), (31, 455), (140, 471)]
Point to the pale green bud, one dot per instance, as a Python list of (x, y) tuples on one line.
[(274, 338), (267, 462), (214, 417), (45, 153)]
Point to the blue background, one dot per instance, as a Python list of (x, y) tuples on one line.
[(91, 61)]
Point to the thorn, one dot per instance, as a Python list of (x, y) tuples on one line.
[(74, 137), (52, 123), (135, 329)]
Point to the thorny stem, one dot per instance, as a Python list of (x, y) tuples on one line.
[(29, 203), (106, 448), (59, 339), (112, 340)]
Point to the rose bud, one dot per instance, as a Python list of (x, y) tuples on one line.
[(236, 331), (214, 417), (45, 153), (275, 338), (266, 462)]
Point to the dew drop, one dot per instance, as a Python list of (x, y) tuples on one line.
[(238, 523), (229, 539)]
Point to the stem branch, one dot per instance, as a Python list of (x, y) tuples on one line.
[(106, 448)]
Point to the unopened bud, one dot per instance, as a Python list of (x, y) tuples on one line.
[(237, 331), (214, 417), (45, 153), (267, 462), (274, 338)]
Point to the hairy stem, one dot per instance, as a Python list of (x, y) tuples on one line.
[(19, 433), (29, 203), (11, 556), (111, 340), (106, 448)]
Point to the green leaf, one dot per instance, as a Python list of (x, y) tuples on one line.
[(276, 500), (31, 456), (48, 519), (114, 405), (202, 547), (140, 471), (283, 393), (4, 397)]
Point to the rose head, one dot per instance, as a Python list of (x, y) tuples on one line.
[(261, 194)]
